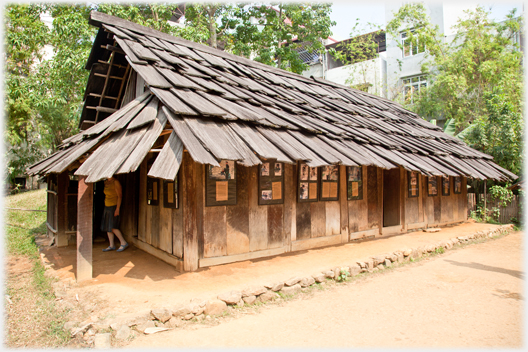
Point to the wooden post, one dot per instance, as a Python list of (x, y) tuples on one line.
[(84, 230), (485, 201), (62, 209), (380, 197), (403, 198), (343, 203), (190, 232)]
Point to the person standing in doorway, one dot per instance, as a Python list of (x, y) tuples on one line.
[(111, 219)]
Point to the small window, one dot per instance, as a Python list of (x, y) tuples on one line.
[(307, 183), (354, 183), (412, 87), (446, 185), (153, 185), (329, 183), (457, 184), (432, 189), (271, 183), (221, 184), (170, 194), (410, 47), (152, 191), (413, 181)]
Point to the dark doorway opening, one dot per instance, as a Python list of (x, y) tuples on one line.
[(391, 197), (98, 208)]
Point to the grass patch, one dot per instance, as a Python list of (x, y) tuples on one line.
[(34, 318)]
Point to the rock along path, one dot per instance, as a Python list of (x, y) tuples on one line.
[(469, 297)]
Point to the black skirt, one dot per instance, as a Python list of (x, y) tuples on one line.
[(110, 221)]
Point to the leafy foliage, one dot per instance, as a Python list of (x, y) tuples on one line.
[(44, 95), (283, 28), (476, 79), (500, 132)]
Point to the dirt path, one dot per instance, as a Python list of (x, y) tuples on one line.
[(470, 297), (133, 282)]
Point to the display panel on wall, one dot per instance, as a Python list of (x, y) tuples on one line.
[(271, 183), (152, 191), (446, 185), (152, 183), (457, 184), (354, 183), (307, 183), (220, 184), (432, 188), (170, 194), (413, 180), (329, 183)]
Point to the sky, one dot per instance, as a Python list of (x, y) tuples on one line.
[(346, 12)]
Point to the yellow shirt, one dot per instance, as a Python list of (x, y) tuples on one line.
[(110, 194)]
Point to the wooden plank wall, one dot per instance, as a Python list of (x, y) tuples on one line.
[(374, 196), (444, 209), (129, 210), (359, 210), (413, 205), (247, 226), (156, 225), (195, 232)]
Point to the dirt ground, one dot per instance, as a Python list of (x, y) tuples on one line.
[(469, 297), (133, 282)]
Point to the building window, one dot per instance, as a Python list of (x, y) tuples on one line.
[(271, 182), (220, 184), (329, 182), (446, 185), (307, 183), (413, 181), (412, 87), (354, 183), (410, 47), (457, 184), (432, 189), (170, 194)]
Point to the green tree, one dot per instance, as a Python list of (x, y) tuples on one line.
[(274, 32), (476, 80), (481, 57), (25, 36), (43, 96)]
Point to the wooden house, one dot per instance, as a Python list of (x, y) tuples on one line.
[(224, 159)]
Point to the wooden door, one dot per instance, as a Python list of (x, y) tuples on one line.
[(391, 197)]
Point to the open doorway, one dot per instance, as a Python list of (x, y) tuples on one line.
[(391, 197)]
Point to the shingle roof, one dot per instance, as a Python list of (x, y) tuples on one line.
[(219, 106)]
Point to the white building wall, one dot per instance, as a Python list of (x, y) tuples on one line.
[(445, 16)]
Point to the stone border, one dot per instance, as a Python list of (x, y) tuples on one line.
[(96, 333)]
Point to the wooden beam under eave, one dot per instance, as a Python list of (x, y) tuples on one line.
[(84, 230)]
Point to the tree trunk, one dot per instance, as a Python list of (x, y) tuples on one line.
[(211, 9)]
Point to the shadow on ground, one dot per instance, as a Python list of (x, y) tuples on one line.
[(478, 266)]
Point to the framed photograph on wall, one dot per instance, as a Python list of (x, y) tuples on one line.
[(457, 184), (271, 183), (354, 183), (413, 181), (432, 189), (307, 183), (220, 184), (446, 185), (329, 189)]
